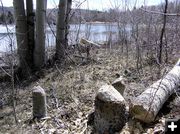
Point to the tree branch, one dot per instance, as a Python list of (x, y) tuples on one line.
[(160, 13)]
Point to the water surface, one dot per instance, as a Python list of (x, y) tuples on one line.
[(97, 32)]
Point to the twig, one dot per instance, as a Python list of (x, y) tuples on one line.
[(5, 71)]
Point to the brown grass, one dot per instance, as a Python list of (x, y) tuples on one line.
[(71, 91)]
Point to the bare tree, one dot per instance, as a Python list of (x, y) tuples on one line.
[(162, 33), (30, 29), (21, 34), (60, 33), (69, 3), (39, 49)]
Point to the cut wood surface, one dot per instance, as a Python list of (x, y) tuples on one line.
[(39, 102), (119, 85), (110, 110), (146, 106), (88, 43)]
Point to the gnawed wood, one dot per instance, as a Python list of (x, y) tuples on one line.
[(88, 43), (146, 106), (110, 110), (39, 102), (119, 85)]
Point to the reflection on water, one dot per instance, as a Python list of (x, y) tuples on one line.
[(97, 32)]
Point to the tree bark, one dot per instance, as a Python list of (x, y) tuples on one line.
[(119, 85), (60, 33), (87, 43), (39, 102), (39, 49), (21, 34), (69, 4), (162, 33), (30, 29), (146, 106), (110, 113)]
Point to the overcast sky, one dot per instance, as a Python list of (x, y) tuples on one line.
[(97, 4)]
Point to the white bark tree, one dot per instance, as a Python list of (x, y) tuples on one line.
[(60, 33), (39, 49), (147, 105), (69, 4), (21, 34)]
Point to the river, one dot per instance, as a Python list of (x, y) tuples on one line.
[(97, 32)]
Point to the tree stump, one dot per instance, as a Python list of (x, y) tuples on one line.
[(119, 85), (110, 110), (39, 102)]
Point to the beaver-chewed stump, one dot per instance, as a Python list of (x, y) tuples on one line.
[(119, 85), (110, 110), (39, 102)]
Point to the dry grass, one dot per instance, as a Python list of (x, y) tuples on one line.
[(71, 92)]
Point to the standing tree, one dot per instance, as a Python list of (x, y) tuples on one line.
[(69, 3), (39, 49), (60, 33), (21, 35), (30, 55), (30, 29), (162, 33)]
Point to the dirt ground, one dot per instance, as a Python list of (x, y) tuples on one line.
[(71, 91)]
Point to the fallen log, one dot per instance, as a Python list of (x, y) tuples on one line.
[(146, 106), (85, 46), (88, 43)]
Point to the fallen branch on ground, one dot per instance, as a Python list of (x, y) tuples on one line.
[(146, 106), (88, 43)]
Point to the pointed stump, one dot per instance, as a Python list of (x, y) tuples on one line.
[(119, 85), (110, 110), (39, 102)]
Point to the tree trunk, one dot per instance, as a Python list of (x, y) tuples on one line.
[(60, 33), (146, 106), (30, 29), (39, 49), (162, 33), (69, 3), (21, 35)]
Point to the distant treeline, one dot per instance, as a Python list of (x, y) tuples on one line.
[(111, 15), (76, 15), (79, 16)]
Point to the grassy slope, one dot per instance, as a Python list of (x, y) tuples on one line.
[(71, 91)]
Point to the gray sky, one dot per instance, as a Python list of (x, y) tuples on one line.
[(98, 4)]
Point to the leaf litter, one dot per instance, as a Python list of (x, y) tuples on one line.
[(70, 95)]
